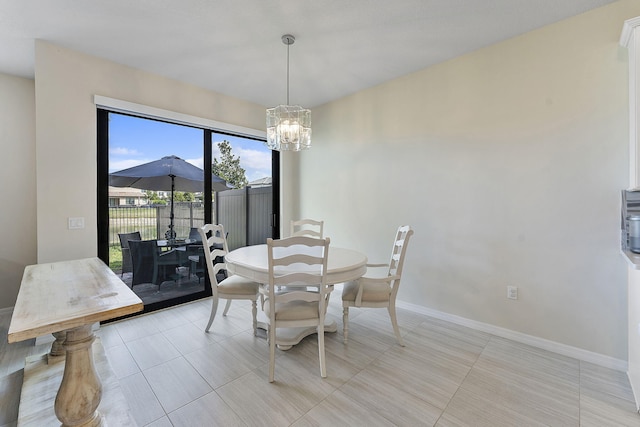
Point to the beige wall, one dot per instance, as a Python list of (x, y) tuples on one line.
[(18, 184), (66, 82), (508, 162)]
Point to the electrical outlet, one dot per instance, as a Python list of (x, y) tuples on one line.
[(512, 292)]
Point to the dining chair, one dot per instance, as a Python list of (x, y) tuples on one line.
[(306, 227), (223, 285), (297, 263), (378, 287), (126, 252)]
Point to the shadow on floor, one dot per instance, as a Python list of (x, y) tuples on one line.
[(150, 293)]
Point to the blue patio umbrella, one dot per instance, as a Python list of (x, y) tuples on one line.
[(168, 173)]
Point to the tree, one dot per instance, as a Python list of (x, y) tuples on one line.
[(181, 196), (228, 167), (154, 198)]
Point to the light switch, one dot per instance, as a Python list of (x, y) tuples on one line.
[(76, 223)]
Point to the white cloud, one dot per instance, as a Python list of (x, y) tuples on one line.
[(257, 164), (121, 151), (199, 162), (125, 164), (254, 159)]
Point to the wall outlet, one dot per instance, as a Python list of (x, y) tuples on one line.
[(512, 292)]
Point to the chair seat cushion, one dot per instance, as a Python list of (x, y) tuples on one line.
[(372, 293), (294, 310), (238, 285)]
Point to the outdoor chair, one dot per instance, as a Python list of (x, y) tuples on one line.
[(126, 253), (378, 287), (195, 253), (223, 285), (152, 266), (305, 302)]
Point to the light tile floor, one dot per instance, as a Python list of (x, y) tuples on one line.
[(174, 374)]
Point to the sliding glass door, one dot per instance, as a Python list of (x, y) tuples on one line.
[(153, 195)]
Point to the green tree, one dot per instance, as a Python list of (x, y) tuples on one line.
[(181, 196), (154, 199), (228, 167)]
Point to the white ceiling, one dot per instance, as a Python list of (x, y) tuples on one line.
[(234, 46)]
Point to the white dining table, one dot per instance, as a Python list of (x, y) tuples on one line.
[(343, 265)]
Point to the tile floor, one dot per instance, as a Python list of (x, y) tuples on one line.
[(174, 374)]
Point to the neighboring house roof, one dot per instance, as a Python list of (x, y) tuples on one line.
[(126, 192), (262, 182)]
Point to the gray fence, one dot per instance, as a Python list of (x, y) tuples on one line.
[(246, 215)]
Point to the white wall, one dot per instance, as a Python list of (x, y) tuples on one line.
[(66, 82), (508, 162), (18, 184)]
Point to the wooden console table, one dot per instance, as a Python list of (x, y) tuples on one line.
[(65, 299)]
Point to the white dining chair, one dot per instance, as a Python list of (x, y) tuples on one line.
[(306, 227), (300, 264), (378, 287), (223, 285)]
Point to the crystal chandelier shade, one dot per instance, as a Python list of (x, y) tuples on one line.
[(288, 126)]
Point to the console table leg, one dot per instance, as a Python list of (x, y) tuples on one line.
[(80, 391), (57, 347)]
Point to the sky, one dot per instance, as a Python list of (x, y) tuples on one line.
[(133, 141)]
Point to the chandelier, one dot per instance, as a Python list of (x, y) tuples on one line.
[(288, 126)]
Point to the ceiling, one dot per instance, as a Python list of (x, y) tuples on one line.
[(234, 46)]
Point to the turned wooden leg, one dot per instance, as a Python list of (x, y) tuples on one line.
[(57, 347), (80, 391)]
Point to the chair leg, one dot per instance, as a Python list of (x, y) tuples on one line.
[(394, 323), (226, 307), (214, 309), (254, 312), (321, 355), (272, 353), (345, 324)]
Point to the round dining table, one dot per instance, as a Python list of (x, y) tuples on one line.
[(343, 265)]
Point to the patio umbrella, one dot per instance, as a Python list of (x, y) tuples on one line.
[(168, 173)]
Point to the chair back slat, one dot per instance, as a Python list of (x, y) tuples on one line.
[(306, 227), (214, 252)]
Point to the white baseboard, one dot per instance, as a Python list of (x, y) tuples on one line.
[(563, 349)]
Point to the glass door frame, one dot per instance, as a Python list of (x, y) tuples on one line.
[(103, 189)]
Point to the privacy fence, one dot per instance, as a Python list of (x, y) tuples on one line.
[(245, 213)]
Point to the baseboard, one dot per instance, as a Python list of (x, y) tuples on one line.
[(563, 349)]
